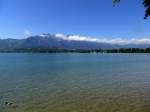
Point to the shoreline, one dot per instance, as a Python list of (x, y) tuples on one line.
[(62, 50)]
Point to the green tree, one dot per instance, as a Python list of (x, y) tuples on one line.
[(146, 4)]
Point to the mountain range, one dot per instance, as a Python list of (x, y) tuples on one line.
[(60, 41)]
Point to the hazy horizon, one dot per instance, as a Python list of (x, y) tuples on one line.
[(71, 37)]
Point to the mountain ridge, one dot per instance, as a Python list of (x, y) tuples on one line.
[(65, 42)]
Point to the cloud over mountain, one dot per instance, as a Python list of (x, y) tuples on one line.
[(73, 42), (27, 32), (119, 41)]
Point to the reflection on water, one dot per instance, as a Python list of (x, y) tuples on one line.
[(74, 83)]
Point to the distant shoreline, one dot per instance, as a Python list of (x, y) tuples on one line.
[(62, 50)]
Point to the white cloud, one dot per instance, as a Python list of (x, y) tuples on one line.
[(119, 41), (27, 32)]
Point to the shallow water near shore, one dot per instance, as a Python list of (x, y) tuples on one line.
[(67, 82)]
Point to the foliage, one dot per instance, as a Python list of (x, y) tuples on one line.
[(146, 4), (60, 50)]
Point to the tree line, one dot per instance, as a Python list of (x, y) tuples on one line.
[(62, 50)]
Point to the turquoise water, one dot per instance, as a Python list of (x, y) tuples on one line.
[(74, 82)]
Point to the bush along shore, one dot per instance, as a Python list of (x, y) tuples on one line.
[(62, 50)]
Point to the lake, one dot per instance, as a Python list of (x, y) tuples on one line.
[(74, 82)]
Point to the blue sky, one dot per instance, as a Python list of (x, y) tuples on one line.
[(96, 18)]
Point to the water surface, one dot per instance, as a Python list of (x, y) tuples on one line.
[(75, 82)]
